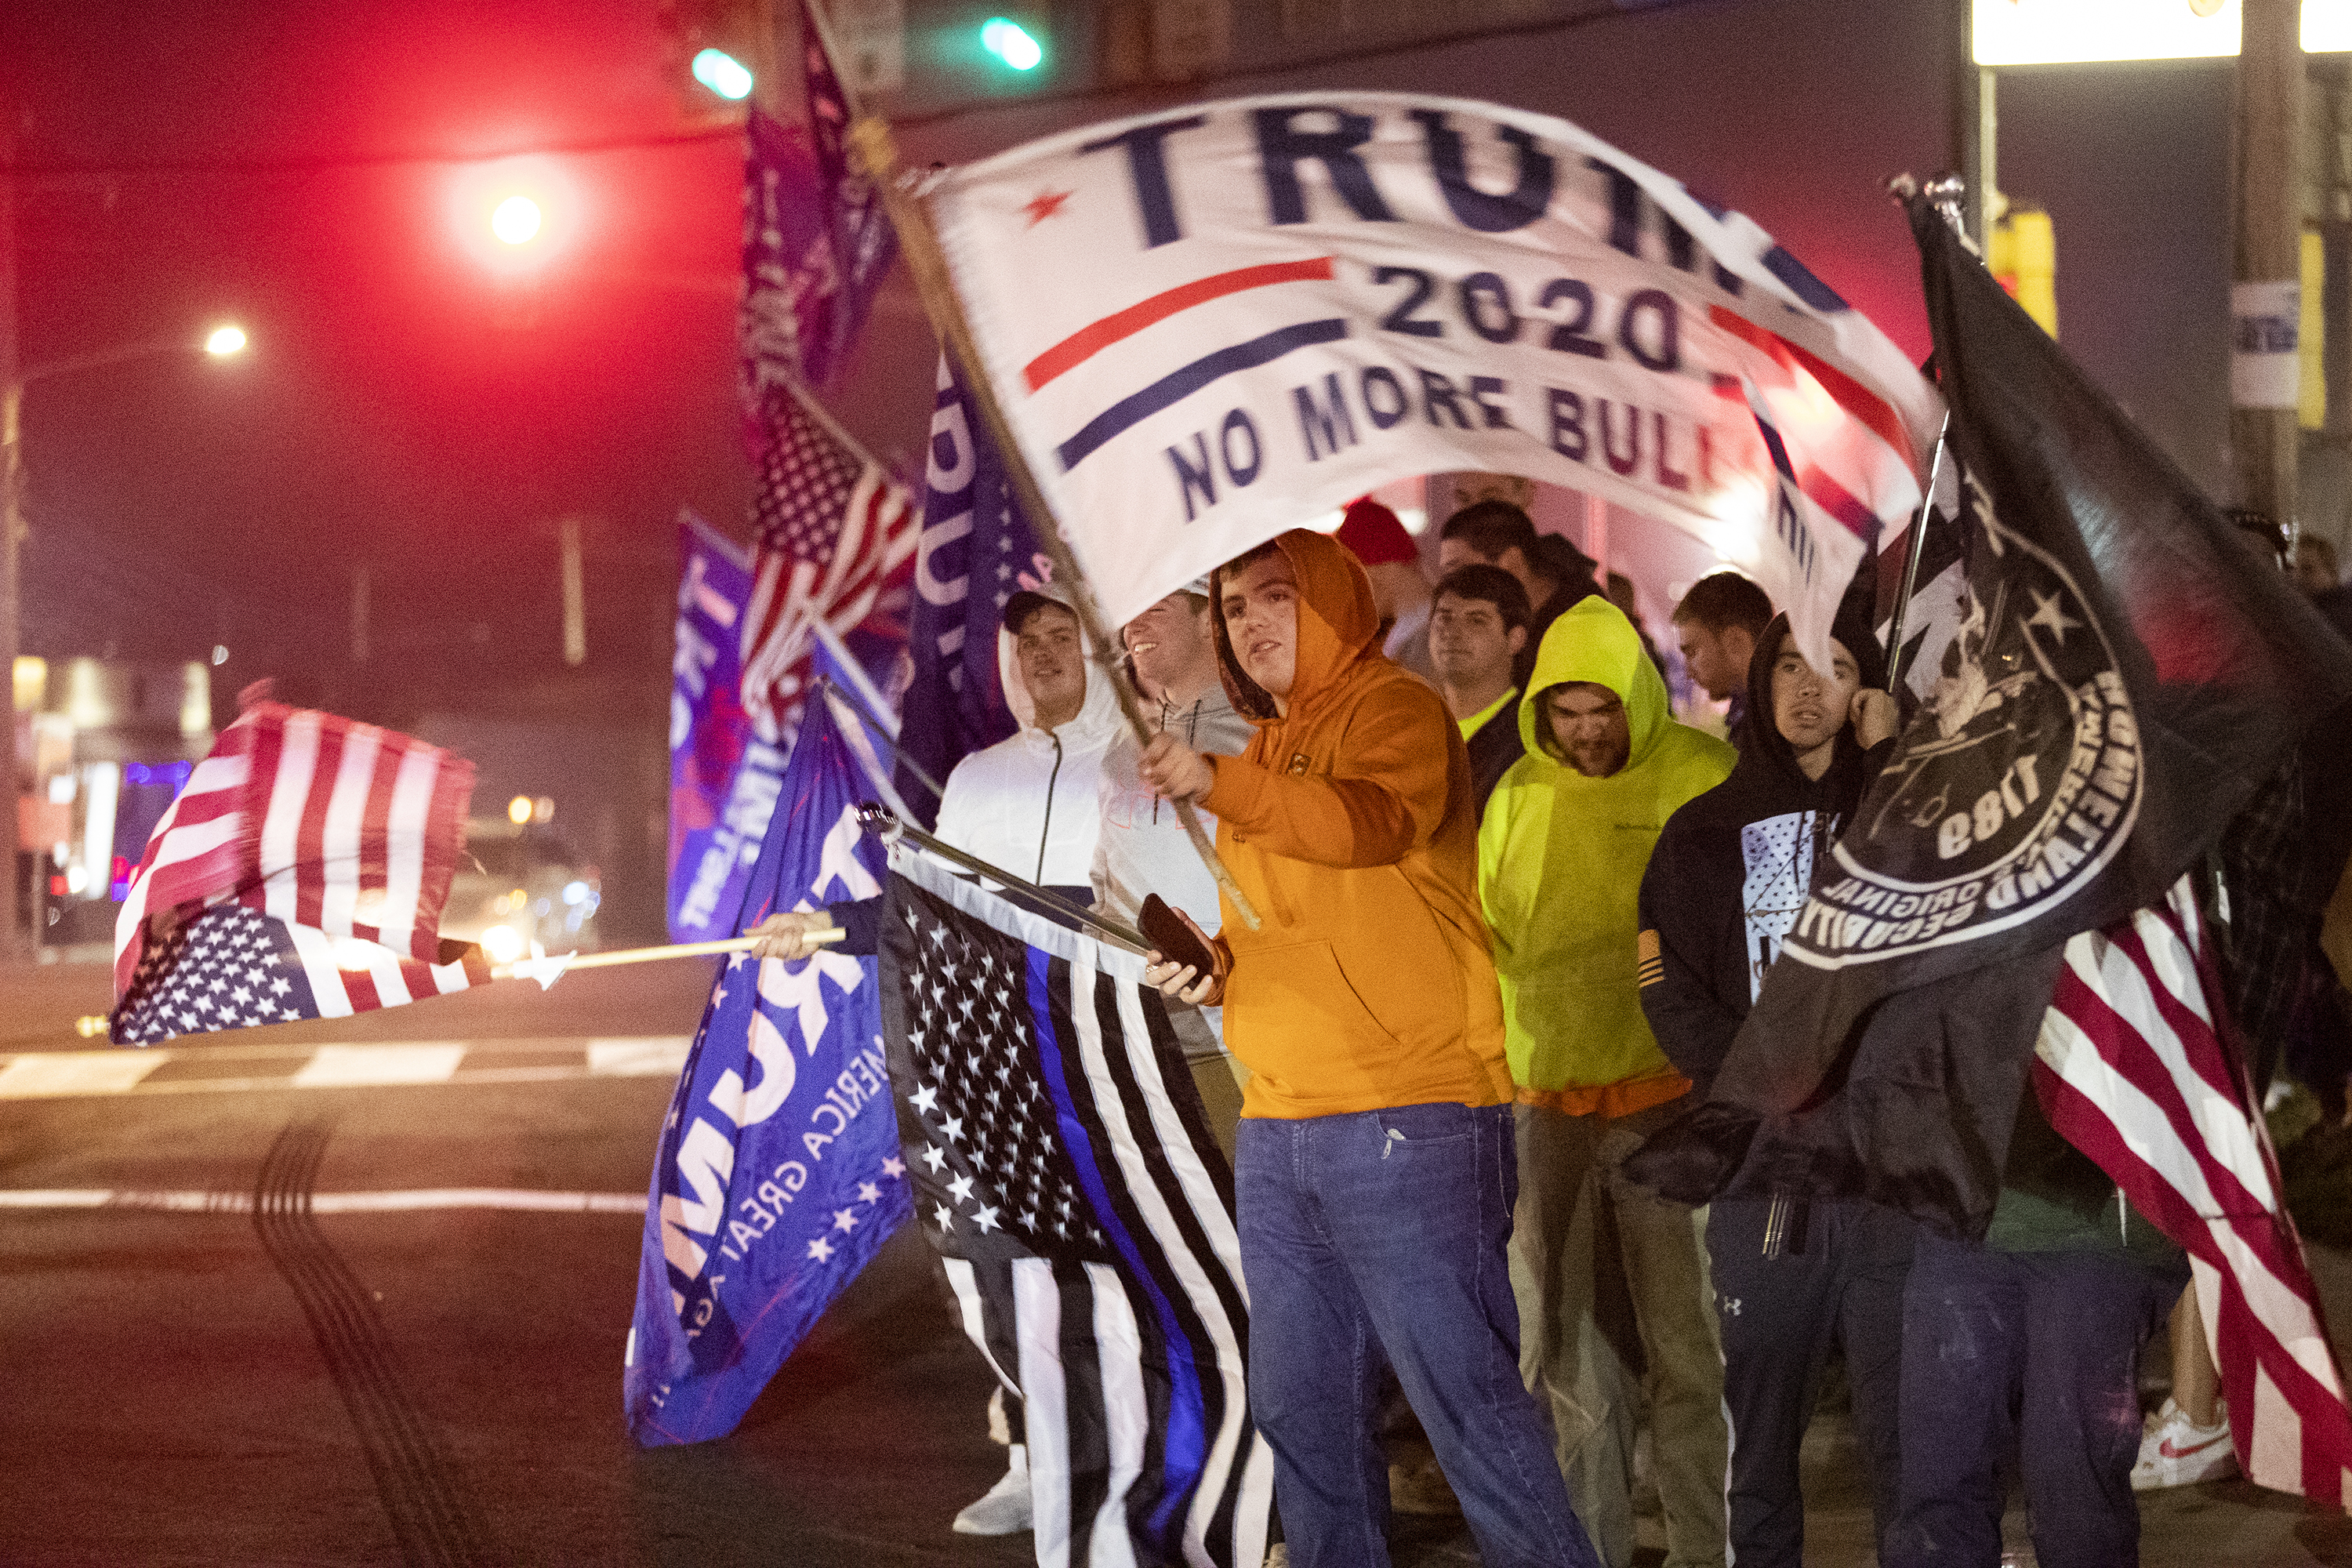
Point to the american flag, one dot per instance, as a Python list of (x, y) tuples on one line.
[(1065, 1173), (2132, 1070), (338, 839), (832, 533)]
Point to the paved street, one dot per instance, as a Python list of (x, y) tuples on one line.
[(201, 1371)]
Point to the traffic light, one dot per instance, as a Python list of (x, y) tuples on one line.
[(724, 74), (2023, 257), (514, 215), (1012, 45), (717, 49)]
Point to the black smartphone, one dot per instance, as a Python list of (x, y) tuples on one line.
[(1172, 935)]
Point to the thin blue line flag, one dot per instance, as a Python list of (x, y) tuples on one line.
[(778, 1172), (1067, 1176)]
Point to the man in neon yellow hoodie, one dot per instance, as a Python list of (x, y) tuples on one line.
[(1611, 1277)]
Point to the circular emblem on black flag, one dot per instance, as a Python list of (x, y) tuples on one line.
[(2016, 782)]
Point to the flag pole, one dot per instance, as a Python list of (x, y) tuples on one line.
[(522, 968), (870, 141), (1945, 195), (1911, 561)]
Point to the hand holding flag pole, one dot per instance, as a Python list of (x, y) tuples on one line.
[(870, 140)]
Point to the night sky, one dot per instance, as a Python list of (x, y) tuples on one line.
[(403, 407)]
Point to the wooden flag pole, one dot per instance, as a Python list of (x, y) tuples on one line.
[(871, 143)]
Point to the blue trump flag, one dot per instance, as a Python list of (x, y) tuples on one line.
[(777, 1173), (976, 550), (723, 779)]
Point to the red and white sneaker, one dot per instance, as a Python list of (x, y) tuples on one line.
[(2175, 1452)]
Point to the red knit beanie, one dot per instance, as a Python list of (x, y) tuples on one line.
[(1373, 535)]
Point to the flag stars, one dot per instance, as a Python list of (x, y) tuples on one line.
[(2047, 612), (960, 1189), (894, 1168), (821, 1249), (985, 1219), (867, 1192), (945, 1215), (845, 1220), (934, 1157), (925, 1100), (1045, 205)]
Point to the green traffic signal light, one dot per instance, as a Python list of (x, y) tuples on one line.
[(1010, 42)]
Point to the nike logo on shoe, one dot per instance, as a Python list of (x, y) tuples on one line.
[(2171, 1450)]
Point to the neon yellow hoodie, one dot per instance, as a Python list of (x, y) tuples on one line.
[(1560, 857)]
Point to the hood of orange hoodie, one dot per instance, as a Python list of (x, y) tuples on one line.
[(1337, 626)]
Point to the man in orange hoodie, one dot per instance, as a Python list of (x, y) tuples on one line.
[(1374, 1176)]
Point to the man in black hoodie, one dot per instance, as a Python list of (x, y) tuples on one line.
[(1723, 885)]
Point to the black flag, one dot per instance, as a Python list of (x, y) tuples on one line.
[(2126, 673)]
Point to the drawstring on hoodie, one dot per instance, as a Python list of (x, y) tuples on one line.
[(1191, 729), (1045, 833)]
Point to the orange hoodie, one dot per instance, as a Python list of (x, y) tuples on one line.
[(1348, 822)]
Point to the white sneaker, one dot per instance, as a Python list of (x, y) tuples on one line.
[(2175, 1452), (1004, 1509), (1278, 1555)]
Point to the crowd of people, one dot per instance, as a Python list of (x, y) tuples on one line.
[(1514, 911)]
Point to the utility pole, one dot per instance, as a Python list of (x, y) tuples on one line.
[(1975, 125), (360, 607), (2266, 298), (14, 946), (575, 594)]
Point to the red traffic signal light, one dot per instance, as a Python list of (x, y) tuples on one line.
[(515, 215)]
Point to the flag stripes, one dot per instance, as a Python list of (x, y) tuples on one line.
[(833, 530), (2132, 1070), (353, 820), (192, 851), (329, 826), (1086, 1222)]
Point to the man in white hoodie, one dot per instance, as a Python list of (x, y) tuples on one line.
[(1031, 804)]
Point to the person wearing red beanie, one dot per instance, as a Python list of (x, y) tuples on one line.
[(1400, 595)]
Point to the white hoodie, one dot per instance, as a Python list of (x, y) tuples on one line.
[(1031, 802)]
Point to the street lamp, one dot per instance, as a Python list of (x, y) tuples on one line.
[(223, 342)]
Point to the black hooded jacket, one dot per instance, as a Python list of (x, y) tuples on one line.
[(1732, 866)]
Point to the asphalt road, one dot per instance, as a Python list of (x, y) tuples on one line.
[(236, 1380)]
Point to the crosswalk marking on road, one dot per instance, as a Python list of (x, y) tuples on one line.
[(75, 1072), (346, 1066), (56, 1075), (327, 1203)]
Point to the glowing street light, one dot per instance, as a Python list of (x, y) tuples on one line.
[(516, 220), (223, 342), (724, 74)]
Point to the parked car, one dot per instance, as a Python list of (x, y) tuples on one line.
[(515, 884)]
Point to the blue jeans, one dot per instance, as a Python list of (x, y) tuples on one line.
[(2040, 1348), (1376, 1240)]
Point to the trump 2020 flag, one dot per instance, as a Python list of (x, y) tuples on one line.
[(975, 553), (1206, 324), (778, 1174), (723, 778), (1083, 1214)]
